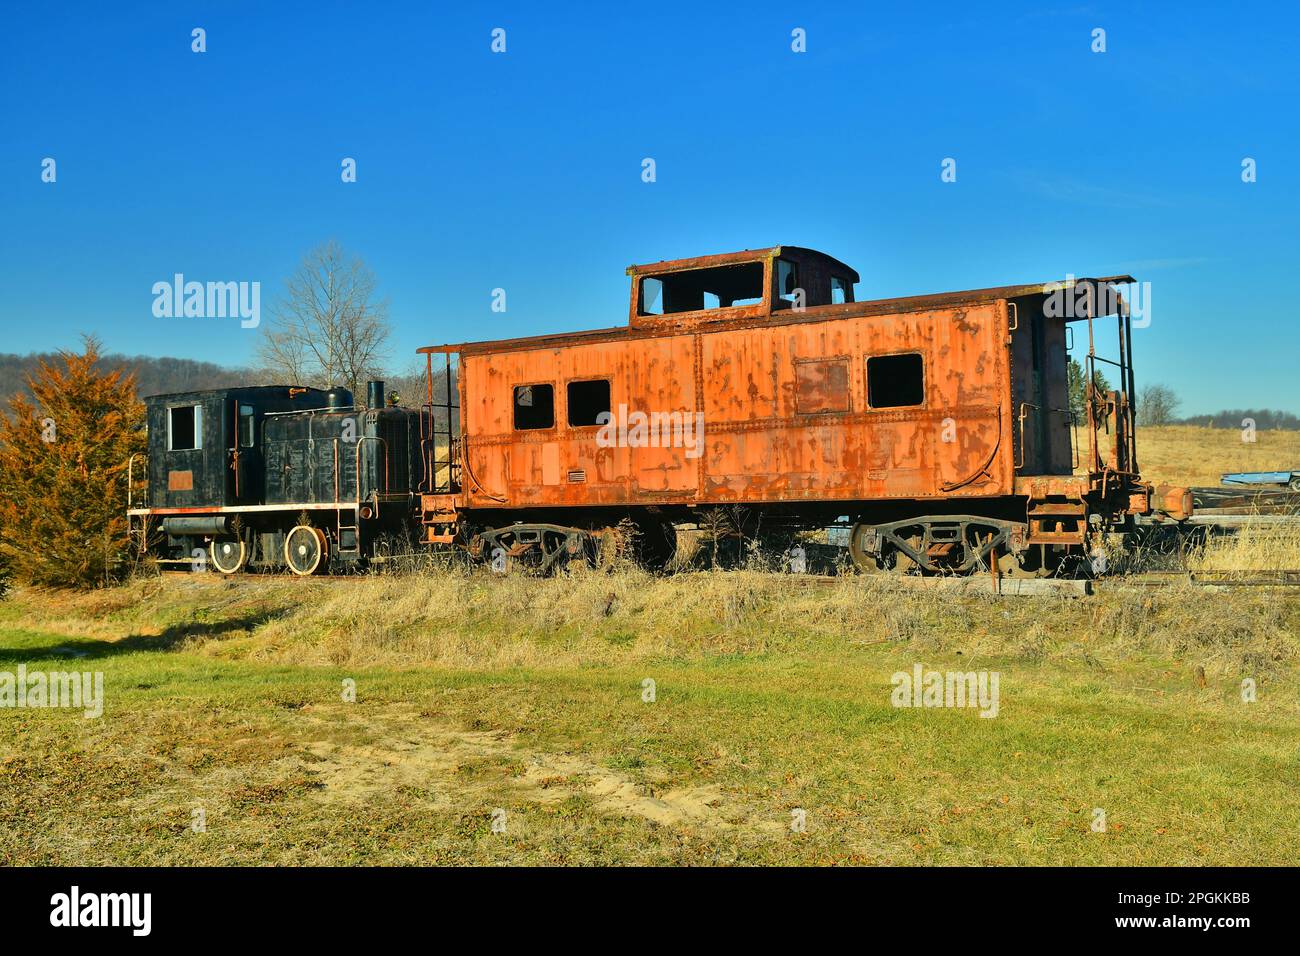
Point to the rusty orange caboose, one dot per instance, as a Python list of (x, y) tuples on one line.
[(938, 426)]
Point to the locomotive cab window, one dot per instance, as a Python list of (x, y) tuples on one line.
[(895, 381), (534, 406), (184, 428), (245, 426), (695, 290), (588, 401)]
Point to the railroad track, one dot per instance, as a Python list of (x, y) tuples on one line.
[(1289, 578), (1286, 578), (267, 576)]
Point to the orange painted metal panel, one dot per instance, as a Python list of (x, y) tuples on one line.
[(584, 464), (763, 448), (785, 412)]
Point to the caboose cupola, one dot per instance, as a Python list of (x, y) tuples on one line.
[(736, 285)]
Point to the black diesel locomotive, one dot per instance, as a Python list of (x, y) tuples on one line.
[(276, 477)]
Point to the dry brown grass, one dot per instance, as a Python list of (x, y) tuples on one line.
[(1256, 547), (1192, 456), (460, 619)]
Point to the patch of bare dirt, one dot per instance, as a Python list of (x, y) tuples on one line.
[(400, 750)]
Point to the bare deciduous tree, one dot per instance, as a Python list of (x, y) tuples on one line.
[(1157, 405), (328, 329)]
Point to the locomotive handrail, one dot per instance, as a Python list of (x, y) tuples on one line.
[(430, 434), (388, 483), (130, 482)]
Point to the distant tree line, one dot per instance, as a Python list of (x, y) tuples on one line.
[(1158, 405), (152, 375), (1266, 419)]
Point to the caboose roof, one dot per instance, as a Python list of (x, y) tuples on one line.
[(822, 313), (249, 391), (748, 255)]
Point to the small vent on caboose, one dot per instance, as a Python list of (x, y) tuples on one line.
[(578, 476)]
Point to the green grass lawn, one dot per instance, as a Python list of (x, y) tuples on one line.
[(228, 698)]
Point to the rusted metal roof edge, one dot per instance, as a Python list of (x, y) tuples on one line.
[(231, 388), (841, 266), (821, 313), (731, 258), (702, 262)]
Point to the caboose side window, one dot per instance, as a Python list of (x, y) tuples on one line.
[(895, 381), (184, 428), (839, 290), (534, 406), (588, 401)]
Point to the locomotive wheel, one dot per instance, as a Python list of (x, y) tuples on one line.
[(306, 550), (228, 555)]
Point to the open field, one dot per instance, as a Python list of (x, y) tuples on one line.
[(475, 694), (1190, 455)]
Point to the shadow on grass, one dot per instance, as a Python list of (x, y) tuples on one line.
[(169, 639)]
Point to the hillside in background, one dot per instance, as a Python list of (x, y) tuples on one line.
[(154, 376), (161, 375), (1264, 419)]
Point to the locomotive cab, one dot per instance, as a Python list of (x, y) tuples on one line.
[(204, 446)]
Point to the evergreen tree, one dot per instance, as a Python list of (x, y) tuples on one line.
[(64, 464), (1074, 380)]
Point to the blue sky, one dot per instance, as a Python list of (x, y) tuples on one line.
[(522, 170)]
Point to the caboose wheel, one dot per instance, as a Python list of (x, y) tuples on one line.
[(865, 561), (228, 555), (306, 550)]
